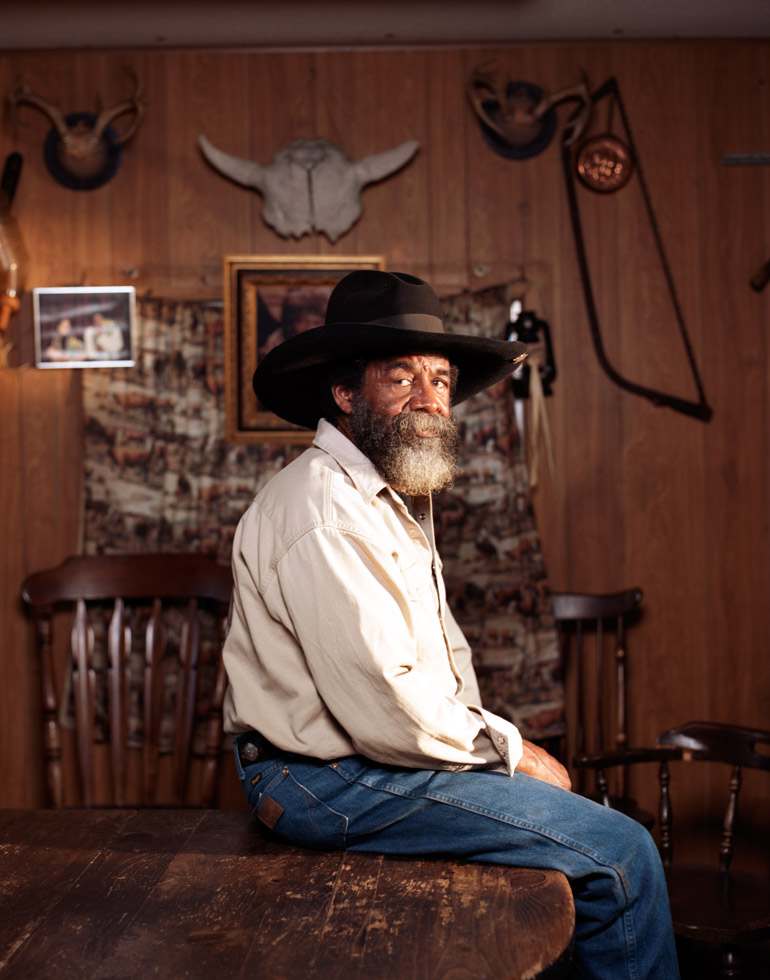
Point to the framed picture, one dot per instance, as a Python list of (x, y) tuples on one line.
[(267, 299), (84, 326)]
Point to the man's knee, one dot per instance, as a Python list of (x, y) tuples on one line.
[(629, 839), (641, 864)]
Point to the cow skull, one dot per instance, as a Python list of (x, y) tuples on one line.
[(82, 150), (311, 185)]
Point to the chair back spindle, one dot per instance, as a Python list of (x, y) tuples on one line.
[(187, 682), (727, 841), (155, 656), (118, 681), (84, 686), (665, 814), (621, 704)]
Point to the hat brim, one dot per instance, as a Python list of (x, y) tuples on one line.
[(287, 379)]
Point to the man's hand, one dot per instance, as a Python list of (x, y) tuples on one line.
[(538, 763)]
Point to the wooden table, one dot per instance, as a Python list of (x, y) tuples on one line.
[(178, 894)]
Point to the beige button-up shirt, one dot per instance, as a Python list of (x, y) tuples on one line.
[(340, 639)]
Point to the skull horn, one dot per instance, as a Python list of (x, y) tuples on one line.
[(380, 165), (245, 172)]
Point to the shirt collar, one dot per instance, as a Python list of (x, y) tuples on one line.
[(361, 471), (349, 457)]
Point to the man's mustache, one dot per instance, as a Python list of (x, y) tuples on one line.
[(415, 423)]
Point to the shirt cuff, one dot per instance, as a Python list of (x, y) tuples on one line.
[(505, 738)]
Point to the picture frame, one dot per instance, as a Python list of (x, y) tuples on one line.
[(84, 326), (268, 298)]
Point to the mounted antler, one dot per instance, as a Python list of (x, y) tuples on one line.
[(517, 117), (23, 93), (579, 119), (132, 104), (82, 151)]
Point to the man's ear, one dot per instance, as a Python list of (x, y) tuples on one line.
[(343, 396)]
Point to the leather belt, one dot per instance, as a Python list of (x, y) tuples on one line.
[(253, 747)]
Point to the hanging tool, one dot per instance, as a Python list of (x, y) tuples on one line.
[(700, 409)]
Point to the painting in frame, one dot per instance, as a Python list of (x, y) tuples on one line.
[(84, 326), (267, 299)]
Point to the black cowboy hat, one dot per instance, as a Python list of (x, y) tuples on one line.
[(373, 314)]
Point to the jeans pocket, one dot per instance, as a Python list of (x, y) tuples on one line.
[(296, 814)]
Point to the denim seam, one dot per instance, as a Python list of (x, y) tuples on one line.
[(628, 928), (306, 793)]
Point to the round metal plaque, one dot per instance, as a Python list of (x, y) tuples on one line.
[(604, 164)]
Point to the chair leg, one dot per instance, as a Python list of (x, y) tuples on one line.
[(730, 962)]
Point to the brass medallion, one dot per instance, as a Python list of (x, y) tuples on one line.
[(604, 164)]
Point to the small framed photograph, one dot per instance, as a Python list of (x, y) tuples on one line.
[(267, 299), (84, 326)]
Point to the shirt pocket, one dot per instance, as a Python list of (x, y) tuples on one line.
[(417, 581)]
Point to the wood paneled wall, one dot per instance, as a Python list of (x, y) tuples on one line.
[(640, 495)]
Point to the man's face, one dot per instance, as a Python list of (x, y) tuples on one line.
[(401, 419), (405, 385)]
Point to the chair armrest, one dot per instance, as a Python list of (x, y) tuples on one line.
[(599, 761), (625, 757)]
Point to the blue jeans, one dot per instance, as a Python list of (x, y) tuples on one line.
[(623, 923)]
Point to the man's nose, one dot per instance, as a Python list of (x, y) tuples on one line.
[(425, 397)]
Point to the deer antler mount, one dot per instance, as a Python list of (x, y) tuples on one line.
[(82, 150)]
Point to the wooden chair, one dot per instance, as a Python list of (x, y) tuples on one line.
[(709, 903), (143, 676), (592, 632)]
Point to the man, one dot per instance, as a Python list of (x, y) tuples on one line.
[(350, 683)]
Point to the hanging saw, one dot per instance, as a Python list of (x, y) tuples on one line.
[(605, 165)]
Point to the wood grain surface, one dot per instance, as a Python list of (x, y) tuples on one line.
[(120, 893)]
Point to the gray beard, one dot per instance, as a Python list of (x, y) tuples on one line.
[(408, 462)]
